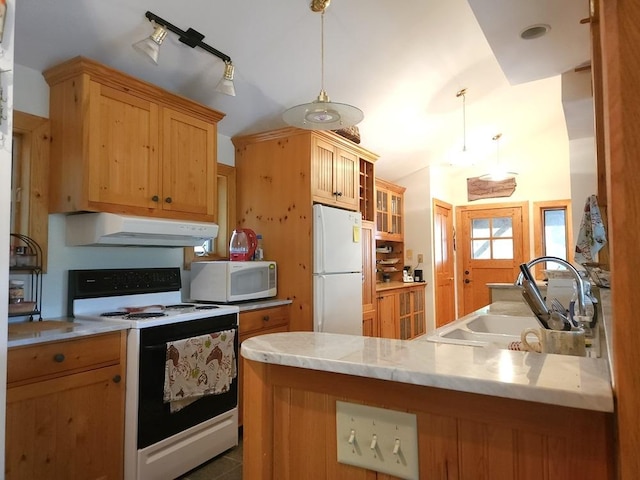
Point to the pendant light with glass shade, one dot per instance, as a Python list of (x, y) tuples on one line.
[(498, 173), (322, 113)]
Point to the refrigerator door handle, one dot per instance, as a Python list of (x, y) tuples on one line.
[(319, 309)]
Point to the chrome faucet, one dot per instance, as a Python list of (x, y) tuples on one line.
[(571, 268)]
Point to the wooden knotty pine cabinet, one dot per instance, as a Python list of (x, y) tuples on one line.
[(280, 175), (401, 312), (369, 297), (122, 145), (65, 409), (259, 322), (389, 211), (461, 436)]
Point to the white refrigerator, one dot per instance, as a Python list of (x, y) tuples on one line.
[(337, 270)]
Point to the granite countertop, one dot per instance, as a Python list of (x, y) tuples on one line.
[(264, 303), (383, 286), (570, 381), (64, 328), (31, 333)]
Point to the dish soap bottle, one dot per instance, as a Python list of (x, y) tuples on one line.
[(259, 255)]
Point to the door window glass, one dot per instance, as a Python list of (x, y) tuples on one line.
[(492, 238)]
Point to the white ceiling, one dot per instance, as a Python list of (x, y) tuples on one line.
[(400, 61)]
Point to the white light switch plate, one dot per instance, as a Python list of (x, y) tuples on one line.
[(367, 437)]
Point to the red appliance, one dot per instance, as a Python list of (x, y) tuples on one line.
[(243, 244)]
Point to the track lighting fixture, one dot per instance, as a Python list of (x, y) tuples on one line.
[(150, 47)]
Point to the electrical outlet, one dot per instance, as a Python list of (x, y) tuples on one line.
[(377, 439), (409, 254), (420, 258)]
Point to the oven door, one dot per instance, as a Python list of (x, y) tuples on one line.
[(155, 421)]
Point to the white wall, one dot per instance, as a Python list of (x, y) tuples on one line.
[(584, 177), (32, 96), (549, 167), (7, 81)]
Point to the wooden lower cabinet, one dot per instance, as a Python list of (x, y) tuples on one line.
[(401, 312), (65, 409), (259, 322), (370, 324), (291, 430)]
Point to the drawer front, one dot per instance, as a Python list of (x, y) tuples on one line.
[(55, 358), (264, 318)]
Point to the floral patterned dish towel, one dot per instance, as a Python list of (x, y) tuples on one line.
[(592, 235), (199, 366)]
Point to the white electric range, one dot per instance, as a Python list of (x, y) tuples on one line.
[(159, 444)]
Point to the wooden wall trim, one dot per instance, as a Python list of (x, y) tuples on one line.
[(619, 20)]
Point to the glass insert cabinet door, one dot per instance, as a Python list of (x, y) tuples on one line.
[(389, 212), (382, 210)]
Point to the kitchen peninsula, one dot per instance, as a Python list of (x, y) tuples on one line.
[(481, 412)]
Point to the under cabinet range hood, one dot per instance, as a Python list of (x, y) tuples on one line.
[(111, 229)]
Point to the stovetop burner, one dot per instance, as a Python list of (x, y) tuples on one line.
[(179, 306), (206, 307), (145, 315), (113, 314)]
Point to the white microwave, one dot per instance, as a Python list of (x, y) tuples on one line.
[(226, 281)]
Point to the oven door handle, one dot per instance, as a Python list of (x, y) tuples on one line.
[(156, 347)]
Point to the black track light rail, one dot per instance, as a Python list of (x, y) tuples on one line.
[(191, 37)]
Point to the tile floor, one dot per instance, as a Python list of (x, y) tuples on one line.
[(226, 466)]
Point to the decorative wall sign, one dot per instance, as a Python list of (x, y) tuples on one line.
[(477, 189)]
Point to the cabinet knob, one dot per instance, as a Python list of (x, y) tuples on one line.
[(265, 318), (117, 378), (155, 198), (58, 357), (466, 280), (168, 200)]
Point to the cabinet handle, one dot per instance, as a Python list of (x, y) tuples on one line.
[(466, 280), (265, 318), (117, 378), (155, 198), (168, 200), (58, 357)]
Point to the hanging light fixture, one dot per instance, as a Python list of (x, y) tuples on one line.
[(225, 85), (462, 158), (150, 48), (498, 173), (322, 113)]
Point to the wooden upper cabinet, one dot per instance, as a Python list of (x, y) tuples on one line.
[(189, 178), (335, 175), (389, 211), (367, 190), (122, 145)]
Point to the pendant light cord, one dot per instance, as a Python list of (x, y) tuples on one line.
[(464, 123), (322, 51), (462, 93), (497, 140)]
